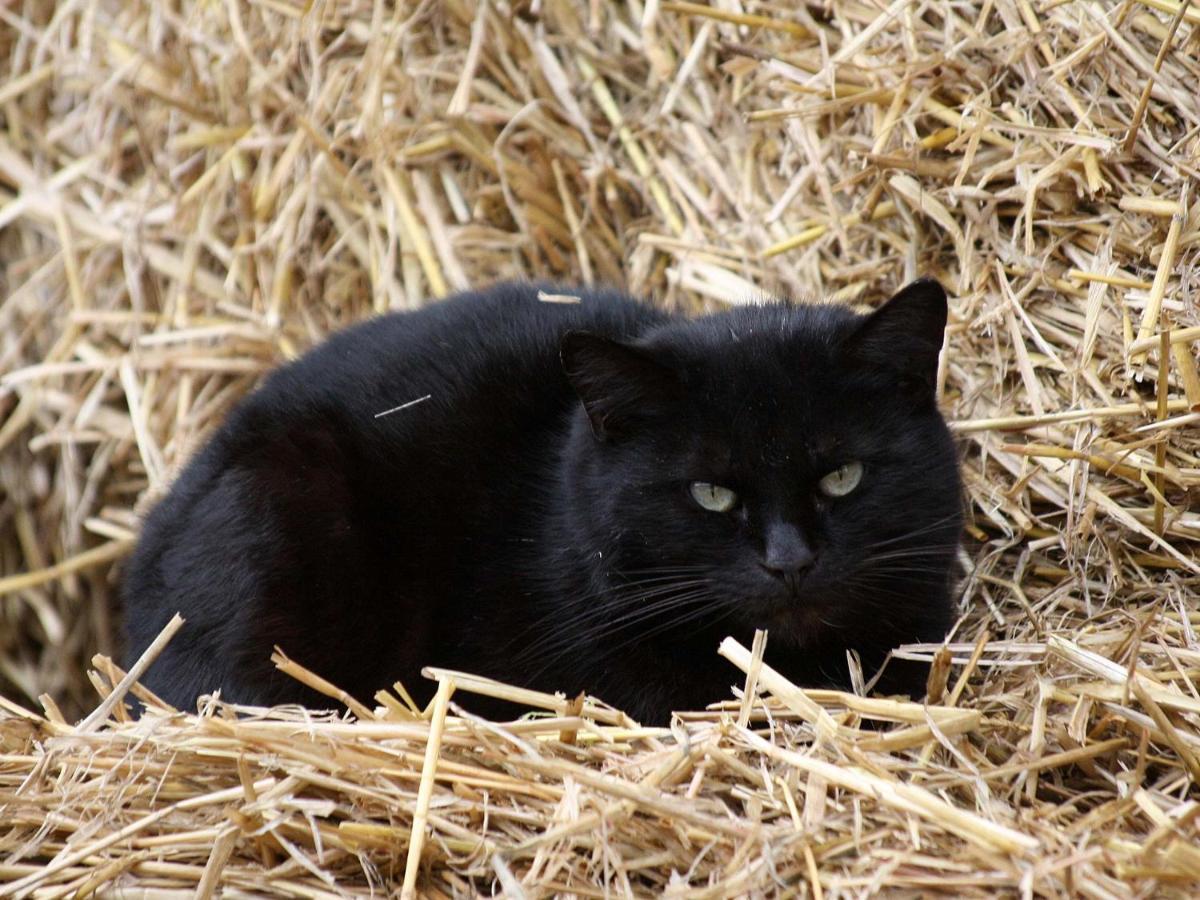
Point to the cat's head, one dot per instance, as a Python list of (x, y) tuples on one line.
[(771, 466)]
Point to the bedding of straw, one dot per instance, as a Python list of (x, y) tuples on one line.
[(192, 192)]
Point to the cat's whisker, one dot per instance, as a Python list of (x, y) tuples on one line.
[(661, 569), (716, 601), (601, 612), (609, 625), (645, 612), (947, 548), (890, 572), (552, 652), (880, 596), (916, 532), (889, 577), (652, 576), (921, 550), (584, 607), (601, 605)]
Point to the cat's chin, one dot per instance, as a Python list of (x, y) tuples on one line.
[(794, 624)]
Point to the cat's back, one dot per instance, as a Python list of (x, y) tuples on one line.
[(494, 349), (442, 385)]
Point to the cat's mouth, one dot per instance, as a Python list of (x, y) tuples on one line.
[(798, 621)]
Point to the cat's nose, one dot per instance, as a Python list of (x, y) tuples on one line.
[(788, 554)]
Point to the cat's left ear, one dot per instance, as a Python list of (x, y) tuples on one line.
[(904, 335), (620, 385)]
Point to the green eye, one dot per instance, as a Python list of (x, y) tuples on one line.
[(841, 480), (713, 497)]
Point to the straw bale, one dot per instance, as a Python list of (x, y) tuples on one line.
[(191, 193)]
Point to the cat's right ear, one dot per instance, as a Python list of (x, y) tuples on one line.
[(619, 385)]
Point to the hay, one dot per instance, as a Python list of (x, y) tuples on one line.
[(188, 197)]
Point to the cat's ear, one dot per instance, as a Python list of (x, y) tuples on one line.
[(904, 335), (619, 385)]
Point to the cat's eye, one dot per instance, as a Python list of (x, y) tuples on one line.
[(713, 497), (841, 480)]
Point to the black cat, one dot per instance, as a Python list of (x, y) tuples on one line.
[(776, 466)]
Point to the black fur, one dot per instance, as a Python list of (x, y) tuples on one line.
[(503, 527)]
